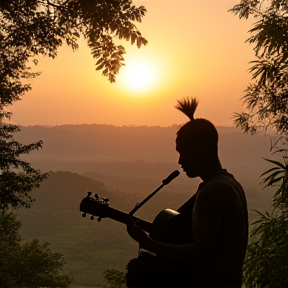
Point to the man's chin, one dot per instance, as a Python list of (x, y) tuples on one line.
[(190, 174)]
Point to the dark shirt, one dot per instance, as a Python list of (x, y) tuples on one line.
[(220, 223), (220, 231)]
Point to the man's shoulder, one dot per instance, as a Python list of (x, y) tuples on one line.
[(221, 183), (223, 179)]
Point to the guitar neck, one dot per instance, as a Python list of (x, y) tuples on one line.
[(87, 206), (125, 218)]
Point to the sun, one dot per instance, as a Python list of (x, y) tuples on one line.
[(140, 76)]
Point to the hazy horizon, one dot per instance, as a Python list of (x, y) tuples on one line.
[(201, 53), (94, 143), (107, 124)]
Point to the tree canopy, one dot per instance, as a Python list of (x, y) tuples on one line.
[(266, 263), (266, 99), (17, 177), (266, 96), (27, 265), (33, 28)]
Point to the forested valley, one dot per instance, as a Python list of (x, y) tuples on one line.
[(124, 164)]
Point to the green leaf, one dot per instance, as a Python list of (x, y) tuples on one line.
[(270, 170), (272, 176), (276, 163), (280, 150), (275, 181), (100, 66)]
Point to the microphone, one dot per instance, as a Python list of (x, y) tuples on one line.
[(171, 177), (166, 181)]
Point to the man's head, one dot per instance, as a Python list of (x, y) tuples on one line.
[(196, 141)]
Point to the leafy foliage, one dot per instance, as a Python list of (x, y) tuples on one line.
[(266, 264), (28, 265), (9, 243), (33, 28), (274, 176), (17, 176), (39, 267), (30, 29), (266, 97), (115, 278)]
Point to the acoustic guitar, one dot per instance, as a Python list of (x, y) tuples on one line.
[(169, 226)]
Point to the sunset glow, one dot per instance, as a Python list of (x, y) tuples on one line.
[(185, 56), (140, 75)]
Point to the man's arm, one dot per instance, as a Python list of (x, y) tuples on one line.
[(206, 227)]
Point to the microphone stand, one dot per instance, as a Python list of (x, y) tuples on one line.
[(166, 181)]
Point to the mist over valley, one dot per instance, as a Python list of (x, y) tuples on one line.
[(125, 164)]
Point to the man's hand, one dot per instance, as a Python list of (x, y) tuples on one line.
[(138, 235)]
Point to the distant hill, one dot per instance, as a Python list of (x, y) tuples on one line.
[(89, 247), (83, 145), (103, 142)]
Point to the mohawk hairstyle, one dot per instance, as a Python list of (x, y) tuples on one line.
[(197, 131), (187, 106)]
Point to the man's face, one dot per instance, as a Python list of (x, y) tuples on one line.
[(190, 158)]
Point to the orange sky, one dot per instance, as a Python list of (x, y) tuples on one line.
[(196, 48)]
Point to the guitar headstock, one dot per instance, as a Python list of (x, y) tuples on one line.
[(95, 206)]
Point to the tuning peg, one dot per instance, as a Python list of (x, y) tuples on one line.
[(89, 193), (84, 214), (106, 200), (91, 217), (99, 219), (96, 196)]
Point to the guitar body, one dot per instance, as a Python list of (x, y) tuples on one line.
[(172, 227)]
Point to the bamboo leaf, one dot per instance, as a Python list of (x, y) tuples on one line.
[(275, 162), (280, 150), (272, 176), (270, 170), (275, 181)]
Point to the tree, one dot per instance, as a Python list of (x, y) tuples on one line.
[(266, 97), (39, 267), (115, 278), (9, 243), (266, 264), (29, 265), (30, 29), (33, 28), (17, 176)]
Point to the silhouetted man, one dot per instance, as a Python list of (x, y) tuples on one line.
[(219, 222)]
